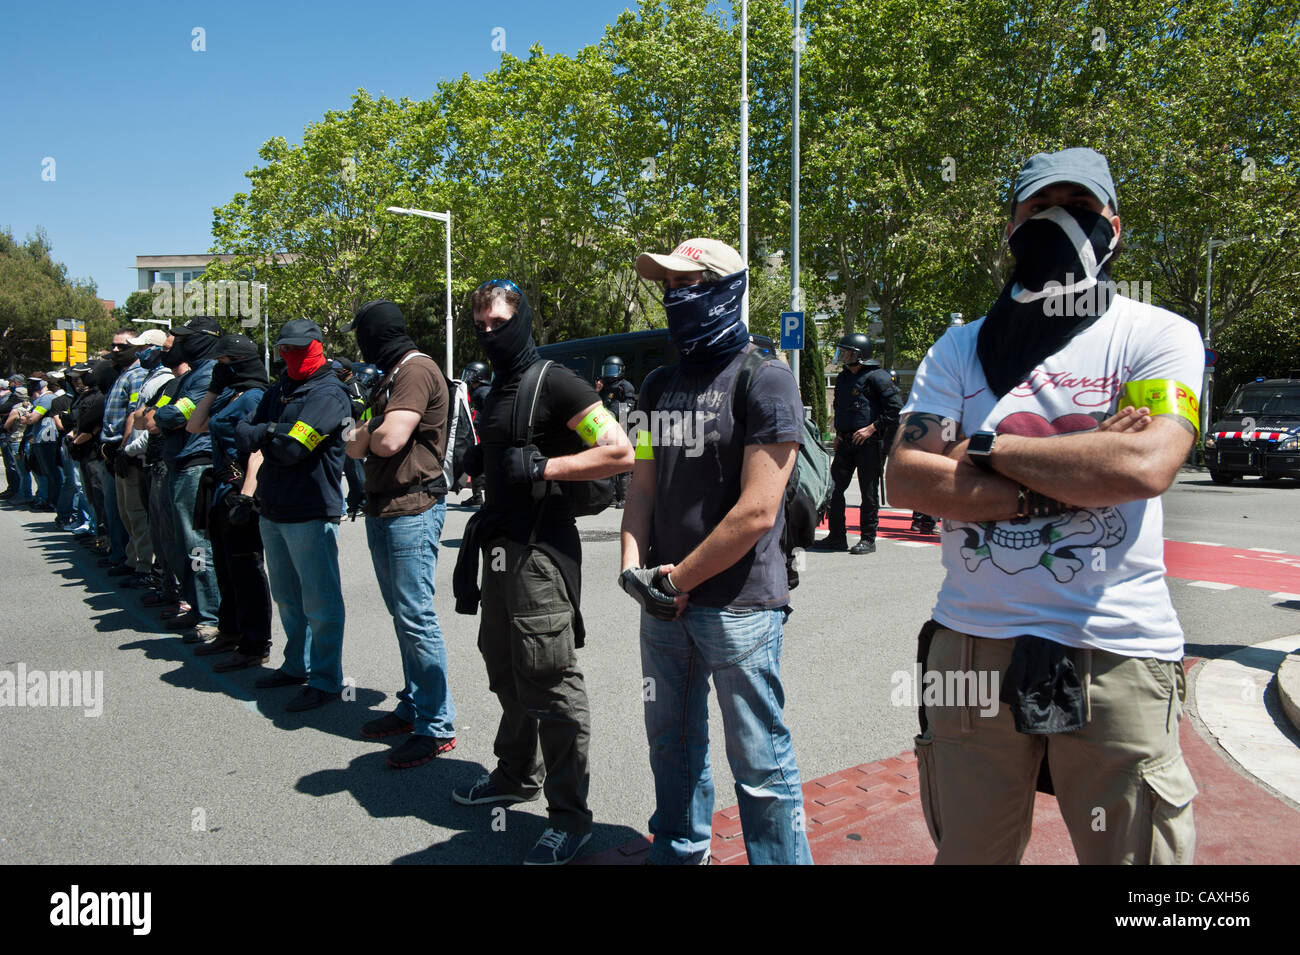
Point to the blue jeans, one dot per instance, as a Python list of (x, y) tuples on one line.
[(23, 487), (302, 560), (116, 530), (197, 572), (742, 650), (72, 496), (405, 554)]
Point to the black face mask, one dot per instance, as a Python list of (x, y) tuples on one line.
[(510, 349), (150, 357), (172, 357), (122, 358), (1030, 321), (381, 334), (704, 320)]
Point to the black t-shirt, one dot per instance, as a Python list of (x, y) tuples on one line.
[(89, 413), (698, 455), (562, 395), (6, 406)]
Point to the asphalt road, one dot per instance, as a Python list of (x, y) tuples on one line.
[(185, 765)]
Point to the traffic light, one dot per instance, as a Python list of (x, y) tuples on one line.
[(58, 347), (77, 350)]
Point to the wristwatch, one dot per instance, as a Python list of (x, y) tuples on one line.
[(980, 450)]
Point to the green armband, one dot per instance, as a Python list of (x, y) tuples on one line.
[(305, 435), (645, 449), (164, 400), (186, 407), (1163, 396), (594, 425)]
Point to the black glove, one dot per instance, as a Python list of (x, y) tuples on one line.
[(642, 585), (262, 436), (222, 376), (524, 465), (242, 509)]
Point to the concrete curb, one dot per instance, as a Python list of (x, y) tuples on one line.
[(1288, 689), (1230, 699)]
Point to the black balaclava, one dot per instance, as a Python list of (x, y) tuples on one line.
[(172, 357), (122, 358), (248, 372), (1028, 323), (199, 345), (510, 348), (101, 376), (381, 334)]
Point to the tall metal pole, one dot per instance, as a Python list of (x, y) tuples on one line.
[(448, 365), (744, 151), (1207, 377), (795, 304)]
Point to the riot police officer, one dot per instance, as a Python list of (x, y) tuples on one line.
[(477, 376), (867, 404), (619, 397)]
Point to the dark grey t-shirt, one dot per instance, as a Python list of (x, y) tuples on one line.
[(698, 458)]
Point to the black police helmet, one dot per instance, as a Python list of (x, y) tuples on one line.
[(612, 368), (476, 372), (854, 347)]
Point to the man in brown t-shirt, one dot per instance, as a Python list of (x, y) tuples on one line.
[(402, 445)]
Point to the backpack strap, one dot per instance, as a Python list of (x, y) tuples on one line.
[(524, 416), (740, 386)]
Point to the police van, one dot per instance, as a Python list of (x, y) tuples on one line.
[(1259, 432), (642, 353)]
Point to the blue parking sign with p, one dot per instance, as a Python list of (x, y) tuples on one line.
[(791, 331)]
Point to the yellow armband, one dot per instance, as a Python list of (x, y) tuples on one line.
[(186, 407), (645, 449), (305, 435), (38, 411), (594, 425), (1163, 396), (164, 400)]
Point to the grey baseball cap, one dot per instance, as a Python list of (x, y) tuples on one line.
[(1078, 164), (299, 331)]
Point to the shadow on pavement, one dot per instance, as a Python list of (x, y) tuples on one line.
[(490, 835)]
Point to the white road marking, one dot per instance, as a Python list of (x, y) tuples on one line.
[(1283, 596), (1205, 543), (1211, 585), (909, 543), (1266, 550)]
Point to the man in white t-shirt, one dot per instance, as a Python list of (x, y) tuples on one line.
[(1044, 434)]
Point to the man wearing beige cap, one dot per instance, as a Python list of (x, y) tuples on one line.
[(702, 555)]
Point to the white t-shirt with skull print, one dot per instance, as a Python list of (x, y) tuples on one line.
[(1091, 577)]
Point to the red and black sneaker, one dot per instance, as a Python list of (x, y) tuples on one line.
[(390, 724), (418, 750)]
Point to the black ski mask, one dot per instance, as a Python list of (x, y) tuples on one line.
[(122, 358), (200, 344), (510, 348), (1060, 286), (381, 334)]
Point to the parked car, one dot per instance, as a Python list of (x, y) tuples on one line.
[(1259, 432)]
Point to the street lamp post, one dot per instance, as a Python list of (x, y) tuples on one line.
[(744, 153), (796, 296), (1207, 378), (444, 217)]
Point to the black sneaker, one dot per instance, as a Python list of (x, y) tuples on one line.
[(240, 661), (278, 678), (390, 724), (484, 791), (831, 543), (863, 547), (224, 643), (418, 750), (556, 847)]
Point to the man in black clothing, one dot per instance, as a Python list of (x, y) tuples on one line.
[(867, 404), (477, 377), (530, 624)]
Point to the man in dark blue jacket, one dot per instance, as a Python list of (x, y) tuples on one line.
[(188, 456), (295, 443)]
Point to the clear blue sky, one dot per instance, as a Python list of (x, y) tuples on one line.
[(148, 135)]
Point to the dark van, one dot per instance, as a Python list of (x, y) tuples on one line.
[(1258, 434), (642, 353)]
